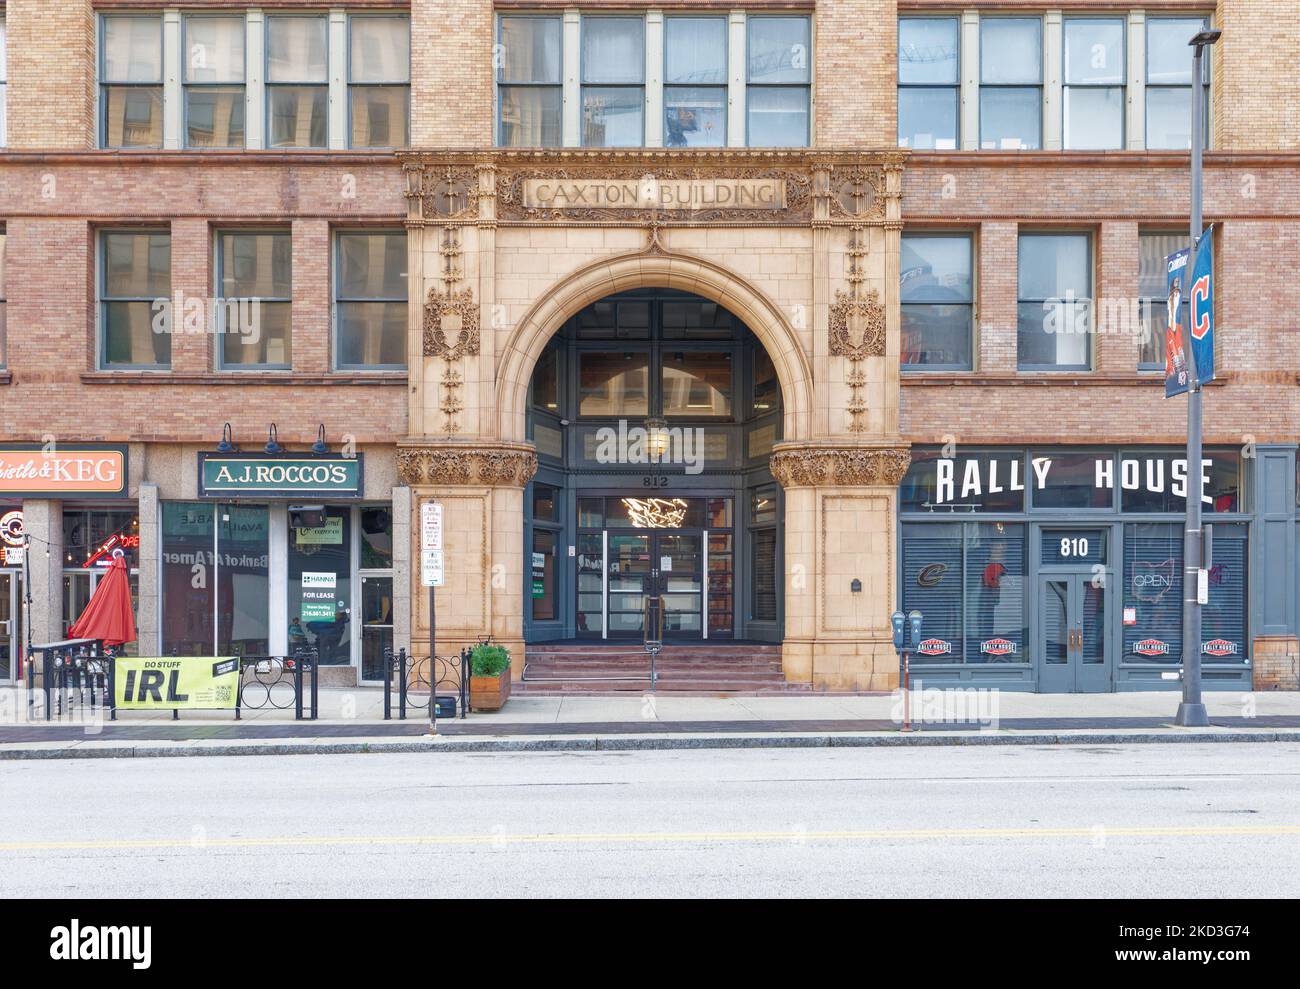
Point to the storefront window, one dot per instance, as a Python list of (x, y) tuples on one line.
[(90, 538), (320, 584), (974, 481), (215, 579), (376, 539), (1070, 480), (542, 579), (1157, 482)]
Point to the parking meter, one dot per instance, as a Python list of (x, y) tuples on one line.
[(897, 619), (914, 619)]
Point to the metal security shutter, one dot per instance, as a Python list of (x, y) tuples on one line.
[(932, 585), (1223, 620), (995, 594), (764, 571)]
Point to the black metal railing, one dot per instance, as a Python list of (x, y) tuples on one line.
[(82, 678), (412, 687)]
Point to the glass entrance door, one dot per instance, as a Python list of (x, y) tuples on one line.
[(639, 564), (1073, 638), (630, 579), (10, 626), (679, 578)]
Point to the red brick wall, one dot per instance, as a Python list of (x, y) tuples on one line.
[(51, 88)]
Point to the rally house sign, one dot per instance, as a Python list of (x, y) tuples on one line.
[(994, 475)]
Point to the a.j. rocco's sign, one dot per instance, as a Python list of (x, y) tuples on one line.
[(654, 193), (249, 475), (57, 470)]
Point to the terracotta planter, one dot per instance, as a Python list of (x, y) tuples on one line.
[(489, 693)]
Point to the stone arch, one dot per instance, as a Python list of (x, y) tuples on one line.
[(659, 270)]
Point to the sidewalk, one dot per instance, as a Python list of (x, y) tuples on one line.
[(351, 721)]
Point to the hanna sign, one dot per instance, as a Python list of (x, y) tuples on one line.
[(333, 476)]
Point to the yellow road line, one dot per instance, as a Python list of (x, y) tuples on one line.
[(560, 838)]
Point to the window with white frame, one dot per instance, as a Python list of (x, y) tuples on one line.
[(297, 80), (134, 274), (255, 285), (370, 299), (695, 82), (1054, 301), (131, 81), (214, 80), (1169, 83), (613, 82), (779, 74), (1011, 83), (530, 90), (1094, 83), (937, 312), (379, 81), (928, 83)]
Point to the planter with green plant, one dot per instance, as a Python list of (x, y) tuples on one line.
[(489, 681)]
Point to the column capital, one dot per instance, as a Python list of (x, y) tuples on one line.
[(490, 463), (806, 465)]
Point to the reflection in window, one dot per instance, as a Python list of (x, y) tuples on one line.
[(1093, 100), (1153, 288), (130, 73), (255, 266), (1011, 83), (320, 587), (214, 81), (778, 93), (379, 80), (546, 392), (370, 299), (529, 89), (296, 81), (136, 272), (696, 384), (937, 310), (1169, 83), (613, 384), (695, 82), (1054, 311), (927, 83), (613, 77)]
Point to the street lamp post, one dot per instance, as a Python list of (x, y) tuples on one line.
[(1191, 711)]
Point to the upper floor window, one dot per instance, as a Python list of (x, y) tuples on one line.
[(937, 301), (3, 77), (778, 96), (297, 81), (379, 81), (255, 283), (1169, 83), (1054, 319), (695, 82), (4, 342), (613, 82), (131, 81), (214, 81), (1011, 83), (370, 299), (1153, 290), (1093, 102), (928, 83), (529, 87), (135, 273)]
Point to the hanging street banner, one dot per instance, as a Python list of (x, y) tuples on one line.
[(161, 684), (1177, 377), (1202, 307), (280, 476)]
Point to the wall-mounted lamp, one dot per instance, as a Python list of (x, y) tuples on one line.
[(320, 447), (227, 444), (273, 446), (657, 438), (855, 586)]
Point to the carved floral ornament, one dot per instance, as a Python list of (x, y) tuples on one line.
[(840, 466), (857, 326), (485, 466), (447, 310)]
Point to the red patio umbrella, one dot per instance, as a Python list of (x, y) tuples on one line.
[(108, 614)]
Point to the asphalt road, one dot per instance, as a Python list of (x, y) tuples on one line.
[(1112, 821)]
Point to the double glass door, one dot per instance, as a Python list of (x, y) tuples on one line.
[(670, 564), (1074, 647)]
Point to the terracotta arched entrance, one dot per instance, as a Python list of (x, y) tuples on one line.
[(658, 270)]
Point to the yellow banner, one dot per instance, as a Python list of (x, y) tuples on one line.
[(163, 683)]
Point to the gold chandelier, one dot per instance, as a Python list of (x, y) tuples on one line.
[(655, 513)]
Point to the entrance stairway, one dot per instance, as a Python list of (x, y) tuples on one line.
[(701, 667)]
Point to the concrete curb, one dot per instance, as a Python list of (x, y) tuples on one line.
[(626, 743)]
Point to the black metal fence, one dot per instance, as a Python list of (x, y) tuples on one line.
[(81, 678), (412, 684)]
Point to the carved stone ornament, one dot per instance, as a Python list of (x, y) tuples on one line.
[(447, 193), (857, 326), (458, 310), (807, 467), (486, 466), (858, 192)]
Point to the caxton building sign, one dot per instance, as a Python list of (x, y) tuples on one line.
[(87, 471), (650, 192)]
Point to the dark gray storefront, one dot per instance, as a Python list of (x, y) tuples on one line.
[(1060, 569)]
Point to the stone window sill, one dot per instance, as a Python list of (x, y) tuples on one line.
[(1018, 379), (242, 378)]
